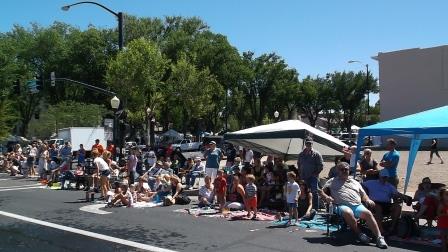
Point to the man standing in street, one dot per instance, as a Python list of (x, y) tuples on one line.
[(213, 156), (310, 164), (390, 161)]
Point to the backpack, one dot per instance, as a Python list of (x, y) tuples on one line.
[(407, 227)]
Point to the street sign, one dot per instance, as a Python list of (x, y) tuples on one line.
[(53, 79)]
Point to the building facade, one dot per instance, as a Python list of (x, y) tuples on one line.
[(412, 81)]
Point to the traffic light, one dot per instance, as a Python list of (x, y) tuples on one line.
[(39, 83), (17, 87), (31, 84)]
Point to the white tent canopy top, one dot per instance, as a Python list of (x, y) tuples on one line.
[(285, 138)]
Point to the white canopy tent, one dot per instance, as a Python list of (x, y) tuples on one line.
[(285, 139)]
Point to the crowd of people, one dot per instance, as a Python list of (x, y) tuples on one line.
[(244, 183)]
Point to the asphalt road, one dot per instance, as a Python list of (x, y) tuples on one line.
[(159, 226)]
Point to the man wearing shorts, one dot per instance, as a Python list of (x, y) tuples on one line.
[(347, 195), (382, 193), (213, 156)]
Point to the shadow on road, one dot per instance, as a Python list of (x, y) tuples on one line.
[(338, 239)]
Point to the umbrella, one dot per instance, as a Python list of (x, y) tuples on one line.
[(285, 139)]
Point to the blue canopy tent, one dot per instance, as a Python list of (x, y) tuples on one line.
[(420, 126)]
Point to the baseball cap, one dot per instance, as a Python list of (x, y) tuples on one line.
[(212, 142), (384, 173)]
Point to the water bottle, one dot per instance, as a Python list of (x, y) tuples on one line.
[(330, 208)]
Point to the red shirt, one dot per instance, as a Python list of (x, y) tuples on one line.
[(442, 221), (99, 147), (111, 149), (220, 184)]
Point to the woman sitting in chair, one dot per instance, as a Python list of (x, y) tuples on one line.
[(427, 200)]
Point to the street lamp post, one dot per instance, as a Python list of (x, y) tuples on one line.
[(115, 103), (151, 124), (119, 16), (367, 84)]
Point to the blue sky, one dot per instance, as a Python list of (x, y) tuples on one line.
[(315, 37)]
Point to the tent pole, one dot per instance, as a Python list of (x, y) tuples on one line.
[(358, 149), (415, 145)]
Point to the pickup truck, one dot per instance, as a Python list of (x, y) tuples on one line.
[(186, 145)]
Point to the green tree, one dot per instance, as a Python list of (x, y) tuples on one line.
[(191, 89), (312, 98), (349, 90), (136, 74)]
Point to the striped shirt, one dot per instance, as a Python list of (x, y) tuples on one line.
[(251, 190)]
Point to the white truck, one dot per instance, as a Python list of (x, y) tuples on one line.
[(83, 135), (186, 145)]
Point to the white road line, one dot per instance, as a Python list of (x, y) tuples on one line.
[(87, 233), (6, 187), (22, 188), (95, 208)]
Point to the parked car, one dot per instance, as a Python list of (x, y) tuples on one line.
[(186, 145)]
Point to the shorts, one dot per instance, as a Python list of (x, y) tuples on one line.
[(251, 203), (211, 172), (356, 209), (292, 205)]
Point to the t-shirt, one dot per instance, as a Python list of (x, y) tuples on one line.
[(380, 192), (345, 192), (197, 168), (101, 164), (309, 163), (292, 192), (249, 156), (33, 152), (251, 190), (132, 163), (152, 159), (66, 152), (220, 184), (394, 157), (213, 158), (206, 193), (99, 147), (81, 156)]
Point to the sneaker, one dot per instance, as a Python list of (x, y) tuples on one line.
[(364, 238), (381, 243)]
